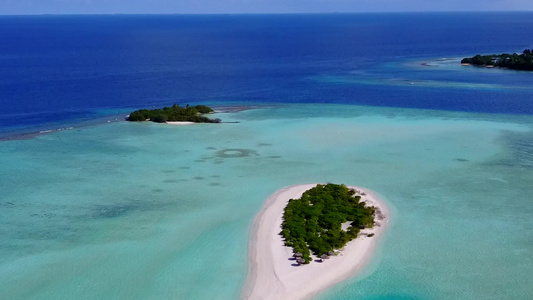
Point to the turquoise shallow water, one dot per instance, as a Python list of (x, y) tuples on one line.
[(148, 211)]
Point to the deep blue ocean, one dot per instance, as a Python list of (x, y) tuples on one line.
[(110, 209), (56, 70)]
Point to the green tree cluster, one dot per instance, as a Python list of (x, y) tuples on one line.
[(314, 222), (513, 61), (174, 113)]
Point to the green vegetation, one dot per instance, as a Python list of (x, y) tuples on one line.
[(313, 222), (514, 61), (175, 113)]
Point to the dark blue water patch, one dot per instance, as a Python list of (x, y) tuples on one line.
[(66, 68)]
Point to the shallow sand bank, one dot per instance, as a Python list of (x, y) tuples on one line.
[(272, 275), (179, 123)]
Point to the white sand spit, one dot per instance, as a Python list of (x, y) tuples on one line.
[(272, 275), (180, 123)]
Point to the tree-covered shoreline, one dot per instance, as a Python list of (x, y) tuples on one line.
[(522, 62), (313, 223), (175, 113)]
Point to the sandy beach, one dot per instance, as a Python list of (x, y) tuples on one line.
[(180, 123), (272, 275)]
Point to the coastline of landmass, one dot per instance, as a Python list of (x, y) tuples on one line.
[(520, 62), (272, 273), (175, 114), (179, 123)]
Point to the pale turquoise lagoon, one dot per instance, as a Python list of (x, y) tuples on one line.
[(149, 211)]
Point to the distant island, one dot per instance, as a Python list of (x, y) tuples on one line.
[(522, 62), (175, 113), (315, 221)]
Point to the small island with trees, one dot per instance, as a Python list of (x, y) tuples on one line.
[(522, 62), (315, 221), (175, 113), (340, 225)]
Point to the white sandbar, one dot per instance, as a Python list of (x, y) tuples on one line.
[(272, 275), (180, 123)]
